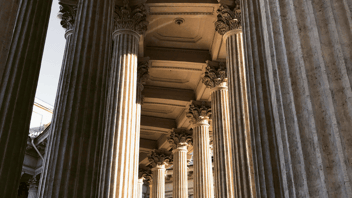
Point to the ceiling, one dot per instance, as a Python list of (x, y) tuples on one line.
[(180, 38)]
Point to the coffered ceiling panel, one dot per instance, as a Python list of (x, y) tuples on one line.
[(174, 74), (181, 25)]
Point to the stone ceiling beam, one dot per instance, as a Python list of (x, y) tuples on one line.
[(174, 54), (168, 94), (147, 145), (157, 122)]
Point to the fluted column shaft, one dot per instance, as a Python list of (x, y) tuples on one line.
[(150, 188), (120, 131), (8, 15), (307, 51), (32, 188), (142, 75), (140, 183), (18, 85), (223, 171), (244, 178), (180, 176), (136, 180), (74, 149), (203, 174), (32, 192), (158, 186)]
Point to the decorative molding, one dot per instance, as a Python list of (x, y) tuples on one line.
[(215, 74), (131, 18), (145, 173), (228, 19), (180, 137), (67, 14), (181, 13), (33, 183), (199, 111), (159, 111), (181, 10), (176, 68), (160, 157), (144, 130), (164, 104)]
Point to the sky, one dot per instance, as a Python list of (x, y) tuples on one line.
[(52, 58)]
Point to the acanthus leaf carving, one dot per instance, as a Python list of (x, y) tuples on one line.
[(131, 18), (67, 14), (215, 74), (180, 137), (145, 173), (199, 111), (160, 157), (228, 19)]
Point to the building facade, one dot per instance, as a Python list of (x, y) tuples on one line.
[(257, 93)]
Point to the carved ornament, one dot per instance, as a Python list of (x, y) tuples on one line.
[(131, 18), (228, 18), (145, 173), (67, 14), (199, 111), (215, 74), (180, 137), (33, 183), (160, 157)]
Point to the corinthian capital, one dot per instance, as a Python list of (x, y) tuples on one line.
[(160, 157), (33, 183), (180, 137), (228, 18), (215, 74), (131, 18), (67, 14), (145, 173), (199, 112)]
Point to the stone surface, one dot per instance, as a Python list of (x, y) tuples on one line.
[(73, 160), (306, 47), (20, 71), (8, 15), (265, 147), (199, 114)]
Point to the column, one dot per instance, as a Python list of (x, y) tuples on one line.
[(142, 76), (229, 25), (158, 160), (215, 78), (121, 135), (32, 187), (140, 188), (248, 82), (74, 150), (144, 176), (179, 140), (18, 85), (8, 16), (199, 114), (307, 53)]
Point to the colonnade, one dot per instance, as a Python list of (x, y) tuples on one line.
[(281, 109)]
